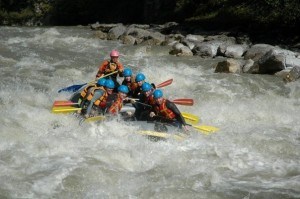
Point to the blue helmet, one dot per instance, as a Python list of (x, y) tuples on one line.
[(140, 77), (109, 84), (123, 89), (127, 72), (157, 94), (101, 82), (146, 87)]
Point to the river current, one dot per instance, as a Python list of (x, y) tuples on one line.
[(254, 155)]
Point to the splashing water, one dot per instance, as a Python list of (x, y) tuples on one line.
[(254, 155)]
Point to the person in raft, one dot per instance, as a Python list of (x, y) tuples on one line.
[(116, 104), (129, 81), (96, 101), (166, 111), (109, 66)]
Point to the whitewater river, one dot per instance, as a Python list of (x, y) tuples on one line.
[(256, 153)]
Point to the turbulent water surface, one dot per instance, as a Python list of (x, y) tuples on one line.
[(256, 153)]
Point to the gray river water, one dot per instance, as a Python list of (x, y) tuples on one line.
[(256, 153)]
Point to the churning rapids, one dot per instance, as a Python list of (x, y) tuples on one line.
[(256, 153)]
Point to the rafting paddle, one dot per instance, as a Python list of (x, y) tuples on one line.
[(165, 83), (190, 118), (205, 129), (65, 109), (76, 87), (64, 103), (187, 102)]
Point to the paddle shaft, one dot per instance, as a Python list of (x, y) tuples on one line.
[(76, 87), (103, 76)]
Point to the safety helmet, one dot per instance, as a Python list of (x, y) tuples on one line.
[(123, 89), (146, 87), (140, 77), (101, 82), (109, 84), (114, 53), (127, 72), (157, 94)]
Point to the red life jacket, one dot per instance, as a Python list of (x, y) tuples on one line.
[(116, 106), (112, 67), (150, 100), (164, 111)]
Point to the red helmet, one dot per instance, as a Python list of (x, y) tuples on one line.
[(114, 53)]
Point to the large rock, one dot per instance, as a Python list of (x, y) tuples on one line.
[(137, 33), (233, 51), (248, 66), (188, 43), (128, 39), (155, 38), (194, 38), (172, 39), (271, 62), (256, 51), (103, 27), (207, 49), (228, 66), (293, 75), (179, 49), (116, 32), (100, 35)]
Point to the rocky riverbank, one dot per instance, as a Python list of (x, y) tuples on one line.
[(243, 56)]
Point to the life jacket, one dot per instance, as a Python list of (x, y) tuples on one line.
[(102, 101), (116, 106), (99, 101), (112, 67), (150, 100), (164, 111), (86, 89)]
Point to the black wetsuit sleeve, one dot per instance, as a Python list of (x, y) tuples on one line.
[(170, 105)]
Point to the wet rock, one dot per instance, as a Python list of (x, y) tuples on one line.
[(100, 35), (247, 66), (228, 66), (271, 63), (256, 51), (128, 39), (155, 38), (103, 27), (207, 49), (293, 75), (116, 32), (194, 38), (233, 51)]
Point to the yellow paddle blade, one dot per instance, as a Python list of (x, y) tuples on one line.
[(190, 118), (162, 135), (206, 129), (65, 109), (96, 118)]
